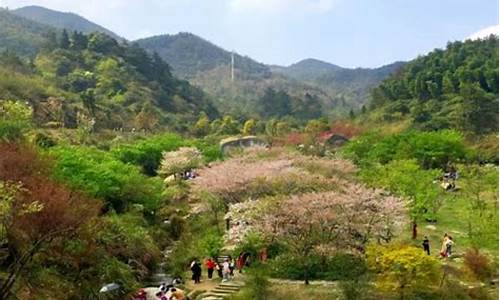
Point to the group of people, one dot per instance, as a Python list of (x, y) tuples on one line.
[(225, 270), (169, 292), (446, 246)]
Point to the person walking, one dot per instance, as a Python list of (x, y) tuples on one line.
[(443, 245), (196, 270), (427, 246), (226, 271), (449, 244), (210, 264)]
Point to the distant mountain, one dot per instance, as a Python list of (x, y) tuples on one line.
[(209, 66), (20, 35), (353, 84), (189, 54), (62, 20)]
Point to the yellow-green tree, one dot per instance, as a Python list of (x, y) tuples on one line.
[(202, 126), (15, 119), (249, 127), (402, 269)]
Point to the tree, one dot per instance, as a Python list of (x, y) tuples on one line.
[(202, 126), (406, 179), (325, 222), (228, 125), (39, 212), (184, 159), (249, 127), (78, 41), (315, 127), (147, 118), (275, 104), (64, 41), (402, 268), (15, 120)]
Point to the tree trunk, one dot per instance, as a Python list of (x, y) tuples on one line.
[(414, 230)]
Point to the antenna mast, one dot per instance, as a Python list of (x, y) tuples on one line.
[(232, 66)]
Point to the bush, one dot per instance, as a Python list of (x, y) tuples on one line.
[(479, 264), (148, 153), (15, 120), (430, 149), (103, 176), (341, 266), (177, 226)]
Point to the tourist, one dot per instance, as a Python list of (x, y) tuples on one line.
[(210, 264), (427, 246), (196, 269), (226, 271), (231, 266), (443, 245), (176, 294), (449, 244), (242, 261), (161, 296)]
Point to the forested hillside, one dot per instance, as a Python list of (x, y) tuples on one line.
[(62, 20), (91, 81), (21, 35), (452, 88), (189, 54), (209, 66)]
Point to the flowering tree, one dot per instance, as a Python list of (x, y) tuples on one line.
[(401, 268), (229, 178), (322, 223), (37, 212), (184, 159)]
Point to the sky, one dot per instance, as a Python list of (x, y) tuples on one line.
[(349, 33)]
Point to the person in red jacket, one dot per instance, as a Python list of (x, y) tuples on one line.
[(210, 264)]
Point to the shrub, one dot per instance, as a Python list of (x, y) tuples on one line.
[(403, 268), (101, 175), (147, 153), (341, 266), (177, 226), (15, 120), (430, 149), (479, 264)]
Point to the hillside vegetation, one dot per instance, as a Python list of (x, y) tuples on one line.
[(92, 81), (452, 88)]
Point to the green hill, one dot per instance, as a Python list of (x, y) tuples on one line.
[(21, 35), (189, 54), (348, 85), (93, 82), (62, 20), (452, 88)]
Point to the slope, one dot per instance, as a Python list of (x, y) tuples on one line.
[(21, 35), (62, 20)]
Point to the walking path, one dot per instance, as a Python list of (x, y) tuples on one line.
[(222, 290)]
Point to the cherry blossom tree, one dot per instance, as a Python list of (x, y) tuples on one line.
[(185, 158), (322, 223)]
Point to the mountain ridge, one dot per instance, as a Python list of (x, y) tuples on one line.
[(62, 20)]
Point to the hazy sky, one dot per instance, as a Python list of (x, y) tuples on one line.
[(349, 33)]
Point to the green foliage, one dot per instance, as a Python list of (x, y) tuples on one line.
[(342, 266), (15, 120), (452, 88), (430, 149), (405, 178), (211, 244), (147, 153), (403, 269), (101, 175)]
